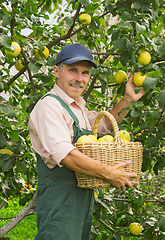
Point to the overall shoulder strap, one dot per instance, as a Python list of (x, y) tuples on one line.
[(66, 107)]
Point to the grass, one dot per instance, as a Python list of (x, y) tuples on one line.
[(25, 230)]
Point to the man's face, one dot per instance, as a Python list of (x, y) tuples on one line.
[(73, 78)]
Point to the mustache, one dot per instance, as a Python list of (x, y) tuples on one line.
[(77, 83)]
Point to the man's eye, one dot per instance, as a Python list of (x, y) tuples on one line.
[(72, 70), (86, 73)]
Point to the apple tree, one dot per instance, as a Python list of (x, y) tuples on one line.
[(117, 33)]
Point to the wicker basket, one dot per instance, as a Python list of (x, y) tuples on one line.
[(110, 153)]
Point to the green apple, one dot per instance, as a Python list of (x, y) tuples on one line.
[(120, 76), (135, 228), (144, 58), (138, 79), (85, 18)]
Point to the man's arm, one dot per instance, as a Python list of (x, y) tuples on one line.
[(116, 175), (126, 100)]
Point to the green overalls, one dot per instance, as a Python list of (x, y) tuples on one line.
[(64, 211)]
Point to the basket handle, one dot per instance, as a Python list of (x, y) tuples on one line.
[(113, 122)]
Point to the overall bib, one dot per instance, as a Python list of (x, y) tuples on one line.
[(64, 211)]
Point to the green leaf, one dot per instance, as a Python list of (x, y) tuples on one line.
[(84, 2), (69, 21), (149, 83), (103, 76), (135, 113), (124, 58), (140, 28), (117, 236), (162, 221), (152, 140), (33, 67), (3, 141), (14, 135), (1, 86), (7, 165), (158, 167), (44, 78), (129, 46), (145, 41), (23, 166), (161, 98), (92, 7), (119, 43), (94, 71), (137, 202), (102, 21), (7, 110), (6, 41), (6, 20), (154, 73), (125, 16), (51, 61), (98, 94), (93, 25), (103, 86), (23, 201)]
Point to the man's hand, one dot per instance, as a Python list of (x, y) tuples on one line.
[(119, 178), (130, 90)]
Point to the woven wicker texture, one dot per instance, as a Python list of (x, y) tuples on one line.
[(110, 153)]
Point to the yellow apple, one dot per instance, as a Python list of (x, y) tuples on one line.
[(16, 49), (120, 76), (135, 228), (85, 18), (124, 140), (19, 65), (106, 138), (138, 79), (93, 137), (84, 138), (6, 151), (124, 134), (95, 195), (45, 52), (144, 58)]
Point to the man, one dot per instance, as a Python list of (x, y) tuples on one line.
[(64, 211)]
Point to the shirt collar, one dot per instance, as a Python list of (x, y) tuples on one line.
[(68, 100)]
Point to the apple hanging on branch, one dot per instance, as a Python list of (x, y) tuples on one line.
[(85, 18), (120, 76)]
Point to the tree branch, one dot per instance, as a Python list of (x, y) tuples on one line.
[(41, 4), (154, 125), (16, 76), (30, 207), (90, 88), (29, 73), (69, 31)]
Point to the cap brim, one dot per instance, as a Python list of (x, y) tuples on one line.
[(78, 59)]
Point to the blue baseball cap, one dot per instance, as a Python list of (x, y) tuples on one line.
[(73, 53)]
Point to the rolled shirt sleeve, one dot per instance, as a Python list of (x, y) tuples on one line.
[(52, 126)]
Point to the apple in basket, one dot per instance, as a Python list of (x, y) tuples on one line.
[(87, 138)]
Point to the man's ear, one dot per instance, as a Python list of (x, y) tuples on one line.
[(56, 71)]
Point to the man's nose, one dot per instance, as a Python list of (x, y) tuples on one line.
[(79, 77)]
